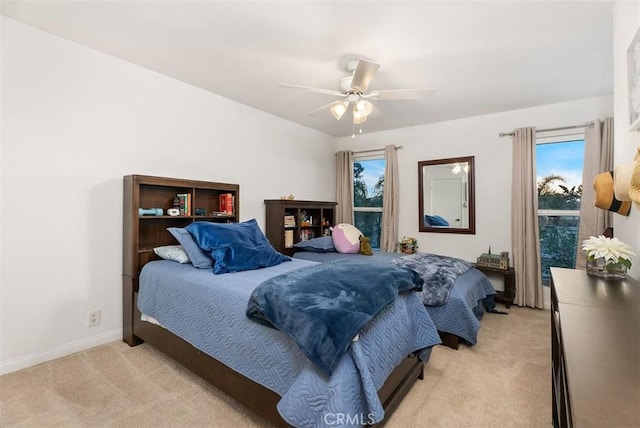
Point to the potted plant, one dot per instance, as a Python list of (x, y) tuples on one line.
[(408, 245), (607, 258)]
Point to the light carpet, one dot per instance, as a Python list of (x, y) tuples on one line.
[(504, 380)]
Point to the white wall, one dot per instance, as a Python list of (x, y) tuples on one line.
[(476, 136), (626, 21), (74, 121)]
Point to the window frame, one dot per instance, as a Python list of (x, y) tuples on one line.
[(555, 137)]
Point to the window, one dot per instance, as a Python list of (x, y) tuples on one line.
[(559, 163), (368, 186)]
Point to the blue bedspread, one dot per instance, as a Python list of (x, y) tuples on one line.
[(208, 311), (323, 307)]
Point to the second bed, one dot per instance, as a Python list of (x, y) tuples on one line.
[(456, 320)]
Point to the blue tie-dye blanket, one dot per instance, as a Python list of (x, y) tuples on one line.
[(323, 307), (438, 272)]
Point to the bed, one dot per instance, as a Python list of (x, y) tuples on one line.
[(258, 366), (458, 319), (187, 301)]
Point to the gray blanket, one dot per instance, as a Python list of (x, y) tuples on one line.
[(323, 307), (438, 272)]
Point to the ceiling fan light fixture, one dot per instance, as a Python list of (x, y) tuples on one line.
[(358, 118), (339, 109), (364, 107)]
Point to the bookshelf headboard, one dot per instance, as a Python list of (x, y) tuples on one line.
[(144, 230)]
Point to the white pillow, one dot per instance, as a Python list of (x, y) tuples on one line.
[(172, 252), (346, 238)]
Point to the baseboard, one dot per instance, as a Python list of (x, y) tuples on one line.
[(60, 351)]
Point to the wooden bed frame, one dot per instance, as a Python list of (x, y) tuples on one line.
[(139, 238), (450, 340)]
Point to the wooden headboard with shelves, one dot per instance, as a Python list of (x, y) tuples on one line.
[(142, 233)]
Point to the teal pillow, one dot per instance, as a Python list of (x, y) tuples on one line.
[(235, 247)]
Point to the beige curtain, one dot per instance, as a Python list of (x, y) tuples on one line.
[(598, 157), (525, 236), (391, 200), (344, 187)]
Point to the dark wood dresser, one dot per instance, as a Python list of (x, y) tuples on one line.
[(595, 333)]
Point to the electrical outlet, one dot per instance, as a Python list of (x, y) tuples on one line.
[(94, 318)]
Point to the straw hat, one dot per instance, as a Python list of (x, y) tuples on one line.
[(605, 199), (626, 180), (634, 184), (622, 181)]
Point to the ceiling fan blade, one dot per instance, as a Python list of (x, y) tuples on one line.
[(363, 74), (317, 90), (401, 94), (377, 111), (325, 107)]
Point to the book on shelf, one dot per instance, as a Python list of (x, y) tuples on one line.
[(289, 221), (184, 203), (288, 238), (227, 203)]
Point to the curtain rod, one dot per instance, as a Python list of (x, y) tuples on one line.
[(588, 124), (375, 150)]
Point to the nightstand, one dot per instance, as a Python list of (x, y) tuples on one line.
[(509, 277)]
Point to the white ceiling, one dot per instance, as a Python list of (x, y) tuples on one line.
[(481, 57)]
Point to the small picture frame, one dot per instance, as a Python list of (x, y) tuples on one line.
[(633, 76)]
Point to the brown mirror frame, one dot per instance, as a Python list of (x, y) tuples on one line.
[(471, 205)]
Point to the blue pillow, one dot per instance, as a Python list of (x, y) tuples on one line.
[(235, 247), (319, 245), (435, 220), (195, 254)]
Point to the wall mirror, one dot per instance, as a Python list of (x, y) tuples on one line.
[(446, 195)]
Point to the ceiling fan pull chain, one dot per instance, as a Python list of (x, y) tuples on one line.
[(353, 133)]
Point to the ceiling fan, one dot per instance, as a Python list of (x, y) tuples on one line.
[(353, 92)]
